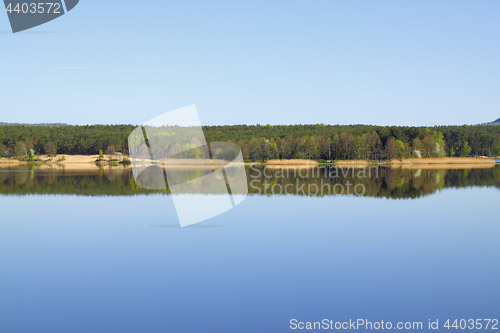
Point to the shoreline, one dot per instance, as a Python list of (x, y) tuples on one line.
[(445, 160), (88, 162), (444, 163)]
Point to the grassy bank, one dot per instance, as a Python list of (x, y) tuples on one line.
[(352, 163), (443, 160), (292, 162), (444, 163)]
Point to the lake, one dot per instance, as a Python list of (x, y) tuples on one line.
[(90, 251)]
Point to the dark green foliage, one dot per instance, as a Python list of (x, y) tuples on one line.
[(496, 148), (465, 149), (50, 149), (328, 142), (20, 149), (4, 151), (71, 140), (481, 139)]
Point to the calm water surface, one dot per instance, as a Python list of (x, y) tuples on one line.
[(89, 252)]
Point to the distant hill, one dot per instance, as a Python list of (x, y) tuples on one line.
[(494, 123), (35, 125)]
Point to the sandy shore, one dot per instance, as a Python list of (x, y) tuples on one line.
[(8, 161), (290, 167), (293, 162), (444, 163), (72, 159), (66, 162), (82, 162), (437, 166), (352, 163)]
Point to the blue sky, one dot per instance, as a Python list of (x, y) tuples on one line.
[(257, 62)]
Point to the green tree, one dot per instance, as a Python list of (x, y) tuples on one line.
[(4, 151), (50, 149), (266, 148), (417, 148), (29, 144), (391, 150), (375, 146), (31, 155), (273, 148), (439, 145), (465, 149), (190, 150), (496, 148), (254, 150), (326, 149), (20, 149), (428, 144), (400, 147), (174, 150), (336, 146), (244, 148)]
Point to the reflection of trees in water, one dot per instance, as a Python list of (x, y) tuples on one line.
[(389, 183), (382, 182), (21, 177), (385, 182)]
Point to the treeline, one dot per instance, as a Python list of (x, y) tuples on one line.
[(72, 140), (328, 142), (35, 125)]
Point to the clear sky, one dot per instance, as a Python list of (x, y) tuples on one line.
[(257, 62)]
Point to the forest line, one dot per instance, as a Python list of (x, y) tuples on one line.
[(261, 142)]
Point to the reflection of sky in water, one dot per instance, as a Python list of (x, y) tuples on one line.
[(106, 264)]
